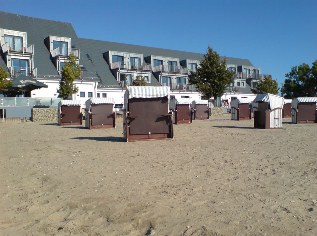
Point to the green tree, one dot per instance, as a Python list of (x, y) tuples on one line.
[(139, 81), (71, 71), (4, 83), (301, 81), (267, 85), (212, 77)]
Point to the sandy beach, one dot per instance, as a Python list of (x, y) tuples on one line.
[(216, 177)]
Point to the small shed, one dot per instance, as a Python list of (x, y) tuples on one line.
[(240, 109), (304, 110), (146, 115), (100, 113), (200, 109), (268, 111), (69, 112), (287, 108), (182, 112)]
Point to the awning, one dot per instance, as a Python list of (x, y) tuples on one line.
[(26, 83)]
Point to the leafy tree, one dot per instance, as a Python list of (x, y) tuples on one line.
[(139, 81), (71, 71), (4, 83), (267, 85), (301, 81), (212, 77)]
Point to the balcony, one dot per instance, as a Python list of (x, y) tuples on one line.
[(167, 69), (57, 53), (194, 70), (183, 87), (28, 71), (127, 66), (146, 67), (184, 71), (116, 65), (24, 50), (158, 68), (134, 67), (241, 75), (173, 69)]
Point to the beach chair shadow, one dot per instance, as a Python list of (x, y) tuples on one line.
[(103, 139), (231, 127)]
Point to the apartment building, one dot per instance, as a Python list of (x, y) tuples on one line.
[(39, 48)]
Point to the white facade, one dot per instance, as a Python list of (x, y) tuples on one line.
[(191, 96), (117, 94)]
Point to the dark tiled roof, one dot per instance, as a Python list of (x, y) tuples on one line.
[(95, 66), (37, 30), (2, 63)]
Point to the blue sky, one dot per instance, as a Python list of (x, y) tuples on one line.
[(273, 34)]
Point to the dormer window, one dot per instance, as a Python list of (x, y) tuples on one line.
[(63, 47), (166, 80), (14, 42), (158, 62), (119, 60), (20, 66), (172, 66), (61, 65), (135, 62), (181, 80), (192, 67), (232, 69)]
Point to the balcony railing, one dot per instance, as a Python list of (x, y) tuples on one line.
[(117, 65), (167, 69), (173, 69), (158, 68), (128, 66), (57, 53), (134, 67), (76, 52), (194, 70), (181, 87), (146, 67), (241, 75), (28, 71), (184, 71), (25, 50)]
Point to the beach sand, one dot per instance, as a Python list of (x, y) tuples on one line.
[(216, 177)]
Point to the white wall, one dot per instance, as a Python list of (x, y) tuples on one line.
[(86, 88), (53, 86), (116, 94), (229, 96), (186, 95), (50, 91)]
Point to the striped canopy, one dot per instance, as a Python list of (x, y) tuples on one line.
[(100, 101), (147, 91), (70, 103), (295, 101)]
